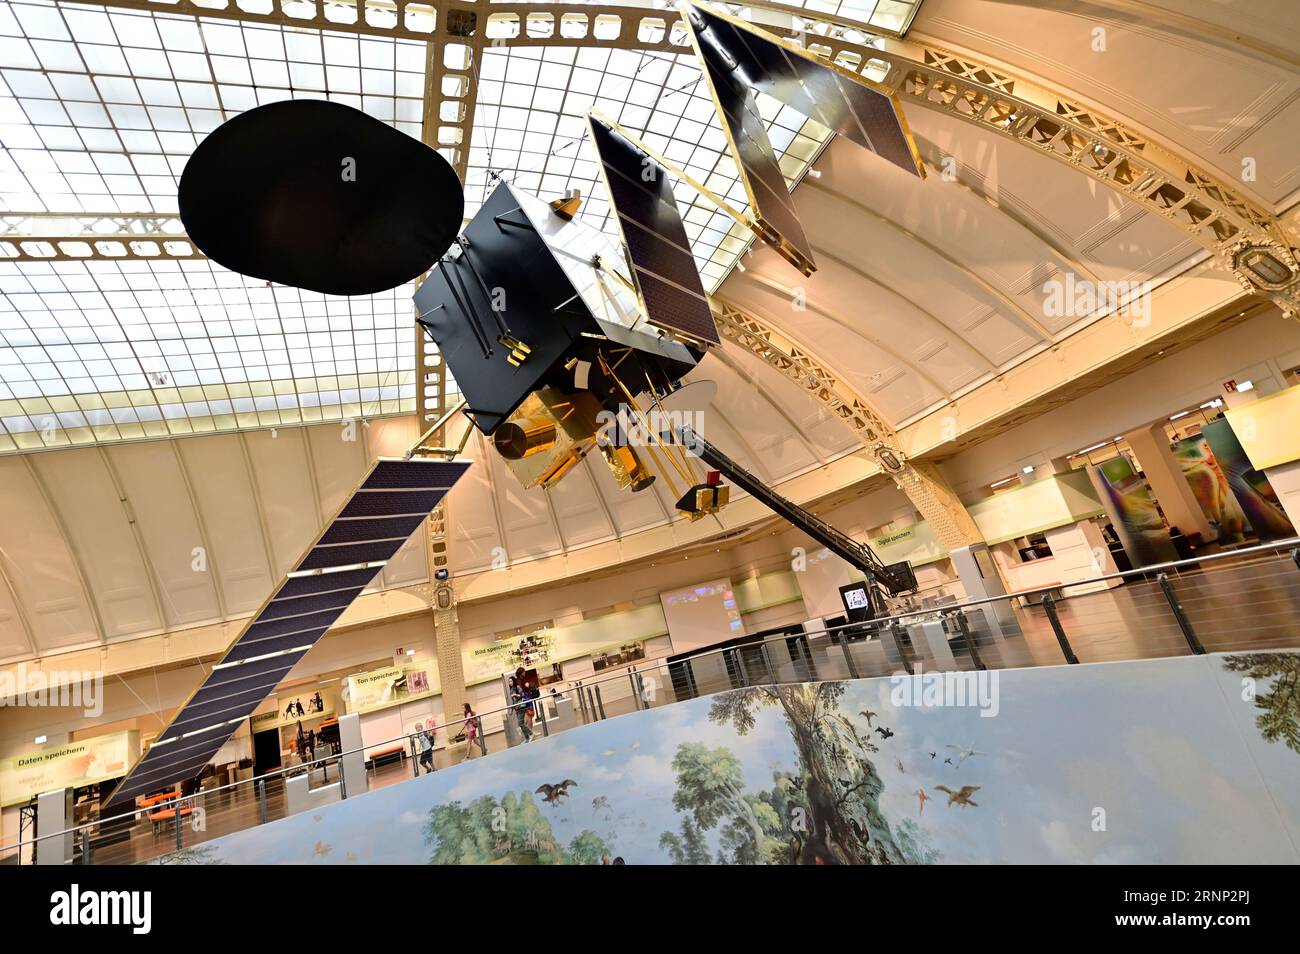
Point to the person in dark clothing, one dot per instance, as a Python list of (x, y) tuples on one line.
[(519, 699)]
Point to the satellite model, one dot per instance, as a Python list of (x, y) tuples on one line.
[(557, 334)]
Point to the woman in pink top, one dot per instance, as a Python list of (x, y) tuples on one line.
[(471, 731)]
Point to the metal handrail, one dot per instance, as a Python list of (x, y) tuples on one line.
[(179, 800), (1276, 547)]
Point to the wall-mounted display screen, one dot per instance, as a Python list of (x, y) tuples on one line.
[(702, 615), (855, 598)]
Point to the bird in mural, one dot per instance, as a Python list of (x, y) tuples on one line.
[(885, 733), (947, 761), (963, 754), (598, 803), (898, 764), (961, 796), (322, 849), (868, 715), (933, 754), (921, 799), (860, 830), (551, 794)]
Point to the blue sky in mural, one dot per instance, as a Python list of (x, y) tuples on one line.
[(1147, 742)]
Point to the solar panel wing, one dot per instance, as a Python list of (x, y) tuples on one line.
[(760, 171), (847, 103), (663, 268), (371, 526)]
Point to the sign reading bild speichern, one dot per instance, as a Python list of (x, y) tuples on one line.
[(506, 655), (86, 762)]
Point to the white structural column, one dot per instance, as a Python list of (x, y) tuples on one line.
[(1163, 472)]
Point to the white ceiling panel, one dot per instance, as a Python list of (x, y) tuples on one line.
[(286, 489), (96, 526), (234, 523), (580, 515), (39, 565), (474, 531), (159, 497)]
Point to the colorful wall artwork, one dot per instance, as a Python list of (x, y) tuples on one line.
[(1134, 512), (1210, 488), (1193, 759), (1250, 486)]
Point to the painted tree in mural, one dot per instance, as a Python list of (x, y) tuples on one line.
[(510, 831), (711, 790), (834, 802), (1280, 718), (587, 848), (688, 847)]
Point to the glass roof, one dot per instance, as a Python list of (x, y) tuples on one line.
[(100, 109), (892, 15)]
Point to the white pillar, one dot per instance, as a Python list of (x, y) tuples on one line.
[(52, 817), (1170, 487), (354, 763), (979, 576)]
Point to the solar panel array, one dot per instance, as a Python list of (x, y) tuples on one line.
[(760, 170), (850, 105), (383, 511), (663, 267)]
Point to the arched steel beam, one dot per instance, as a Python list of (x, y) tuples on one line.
[(1023, 314), (930, 319), (146, 561), (205, 540), (78, 564), (931, 496)]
